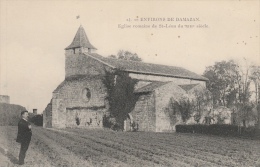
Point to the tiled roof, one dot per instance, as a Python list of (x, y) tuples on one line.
[(150, 87), (80, 40), (188, 86), (147, 68)]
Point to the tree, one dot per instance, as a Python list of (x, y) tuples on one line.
[(126, 55), (255, 77), (202, 103), (120, 96), (229, 83), (183, 107), (244, 93), (223, 82), (112, 56)]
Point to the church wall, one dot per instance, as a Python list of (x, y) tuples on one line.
[(72, 108), (178, 81), (58, 113), (80, 64), (84, 117), (144, 112), (162, 97), (47, 116), (73, 100)]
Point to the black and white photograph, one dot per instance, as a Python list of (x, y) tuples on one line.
[(129, 83)]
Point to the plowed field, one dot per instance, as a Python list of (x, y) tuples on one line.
[(79, 147)]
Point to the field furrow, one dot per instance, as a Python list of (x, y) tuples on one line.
[(85, 147), (167, 152), (208, 151)]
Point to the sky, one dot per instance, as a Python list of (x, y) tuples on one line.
[(33, 35)]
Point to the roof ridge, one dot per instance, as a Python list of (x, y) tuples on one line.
[(140, 62), (148, 68)]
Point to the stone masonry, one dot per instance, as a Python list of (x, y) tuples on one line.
[(80, 100)]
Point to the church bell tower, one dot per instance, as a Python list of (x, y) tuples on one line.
[(80, 43), (75, 54)]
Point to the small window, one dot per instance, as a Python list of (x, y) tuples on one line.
[(77, 121), (86, 94)]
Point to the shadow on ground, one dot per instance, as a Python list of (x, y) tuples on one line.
[(10, 156)]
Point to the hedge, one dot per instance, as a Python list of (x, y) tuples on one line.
[(219, 129), (10, 114), (37, 120)]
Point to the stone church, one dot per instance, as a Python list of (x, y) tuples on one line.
[(80, 100)]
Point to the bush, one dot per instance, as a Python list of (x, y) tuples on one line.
[(37, 120), (216, 129), (10, 114), (111, 123)]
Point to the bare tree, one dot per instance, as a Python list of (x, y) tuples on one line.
[(255, 77)]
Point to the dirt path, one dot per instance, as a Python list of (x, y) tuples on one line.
[(42, 152), (10, 156)]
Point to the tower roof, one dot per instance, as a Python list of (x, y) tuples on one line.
[(80, 40)]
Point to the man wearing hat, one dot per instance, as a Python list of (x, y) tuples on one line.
[(24, 135)]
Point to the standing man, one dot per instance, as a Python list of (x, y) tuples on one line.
[(24, 135)]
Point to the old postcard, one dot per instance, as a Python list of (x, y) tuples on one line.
[(129, 83)]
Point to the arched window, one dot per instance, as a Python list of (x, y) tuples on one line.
[(86, 94)]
